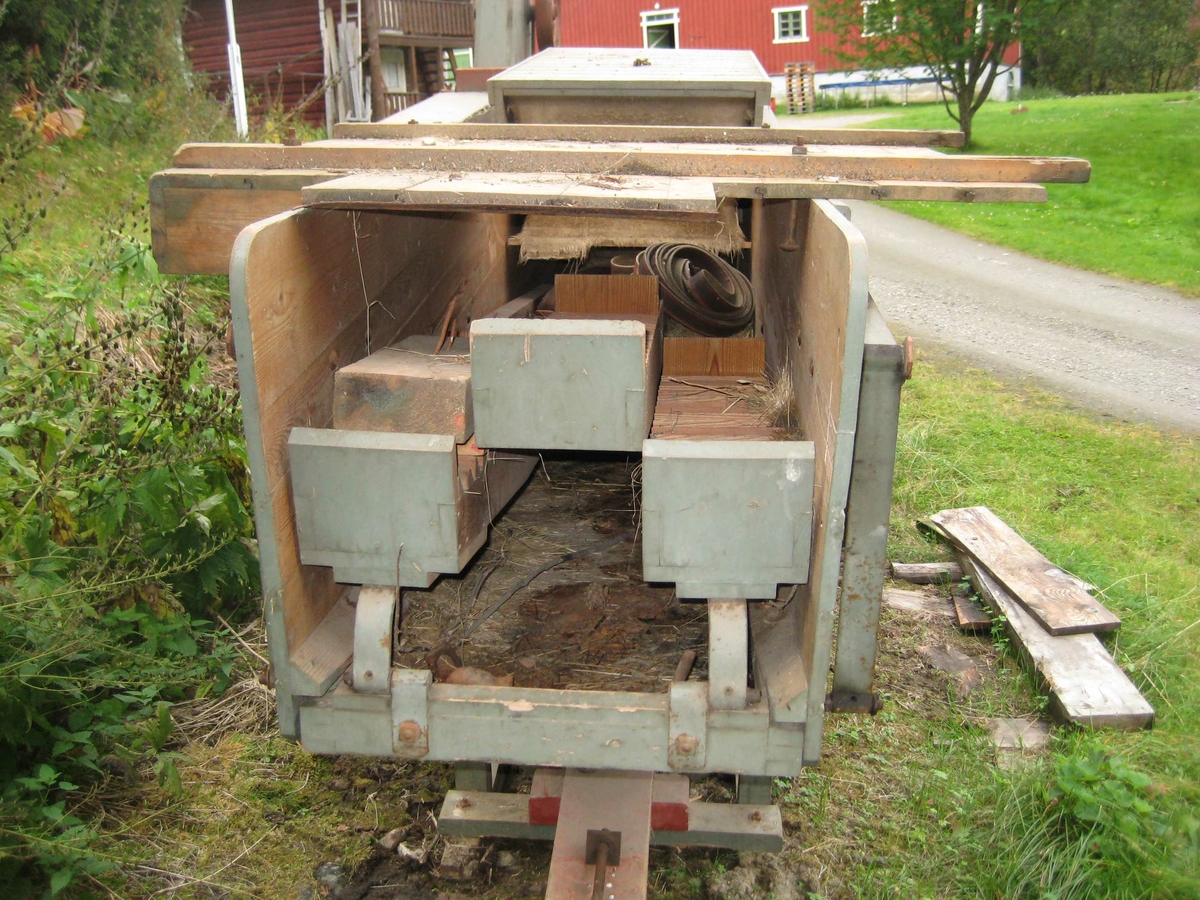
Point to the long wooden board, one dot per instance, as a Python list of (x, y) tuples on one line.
[(196, 214), (641, 195), (681, 134), (854, 163), (1050, 595), (1086, 685)]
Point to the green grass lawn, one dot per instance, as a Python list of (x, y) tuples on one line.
[(1138, 217)]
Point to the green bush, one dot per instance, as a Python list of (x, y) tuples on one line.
[(124, 520), (50, 45)]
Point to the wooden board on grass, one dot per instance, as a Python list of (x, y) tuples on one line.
[(1086, 685), (1054, 598)]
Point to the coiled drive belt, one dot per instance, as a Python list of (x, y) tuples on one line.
[(698, 289)]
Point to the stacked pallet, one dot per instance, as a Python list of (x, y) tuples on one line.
[(801, 90)]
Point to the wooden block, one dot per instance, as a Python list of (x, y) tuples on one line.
[(927, 573), (970, 615), (407, 388), (606, 294), (1054, 598), (1086, 685), (714, 356), (670, 800), (920, 602), (545, 796), (963, 670), (522, 307)]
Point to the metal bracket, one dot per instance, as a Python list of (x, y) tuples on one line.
[(374, 625), (687, 725), (598, 836), (410, 712), (853, 702)]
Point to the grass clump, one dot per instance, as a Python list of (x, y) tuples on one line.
[(1138, 217)]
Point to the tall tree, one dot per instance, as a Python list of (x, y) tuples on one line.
[(962, 42)]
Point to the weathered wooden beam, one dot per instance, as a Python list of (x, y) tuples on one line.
[(1086, 686), (1053, 598), (681, 134), (640, 195), (927, 573), (853, 163), (196, 214)]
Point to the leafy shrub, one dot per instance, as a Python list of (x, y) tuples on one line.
[(124, 519)]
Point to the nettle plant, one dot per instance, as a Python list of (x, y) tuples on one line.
[(124, 522)]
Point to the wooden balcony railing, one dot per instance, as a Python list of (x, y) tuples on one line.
[(427, 18), (398, 101)]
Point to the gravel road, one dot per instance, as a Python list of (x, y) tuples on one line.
[(1118, 348)]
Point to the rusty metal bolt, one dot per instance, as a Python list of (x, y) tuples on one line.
[(408, 732), (686, 745), (756, 816), (464, 803)]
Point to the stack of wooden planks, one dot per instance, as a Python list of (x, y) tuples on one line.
[(1050, 617), (679, 173)]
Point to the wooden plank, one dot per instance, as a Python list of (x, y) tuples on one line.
[(1052, 597), (714, 356), (852, 163), (970, 616), (675, 134), (643, 195), (927, 573), (408, 387), (728, 654), (838, 188), (614, 294), (196, 215), (1085, 684), (618, 801), (732, 826), (923, 603), (723, 407), (779, 665)]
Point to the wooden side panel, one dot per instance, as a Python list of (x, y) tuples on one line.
[(313, 290), (814, 315)]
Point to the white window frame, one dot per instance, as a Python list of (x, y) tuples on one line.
[(658, 17), (776, 18), (865, 33)]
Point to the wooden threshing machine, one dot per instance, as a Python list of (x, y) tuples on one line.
[(543, 403)]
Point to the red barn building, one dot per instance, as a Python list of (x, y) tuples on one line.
[(777, 31)]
